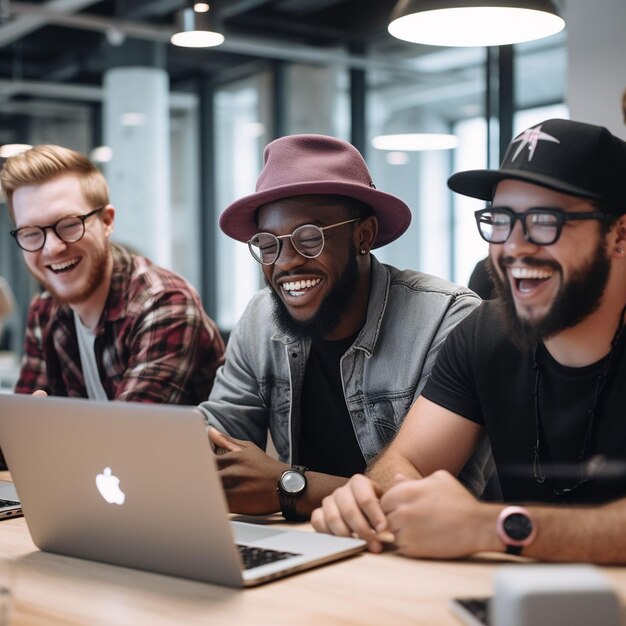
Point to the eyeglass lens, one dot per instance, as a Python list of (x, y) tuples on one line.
[(308, 240), (540, 227)]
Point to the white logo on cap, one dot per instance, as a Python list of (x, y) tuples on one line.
[(531, 138)]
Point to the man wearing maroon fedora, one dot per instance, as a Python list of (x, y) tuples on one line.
[(330, 356), (541, 370)]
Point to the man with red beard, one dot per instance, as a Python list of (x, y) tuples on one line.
[(330, 356), (541, 370), (109, 325)]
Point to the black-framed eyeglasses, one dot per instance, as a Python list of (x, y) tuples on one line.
[(68, 229), (307, 240), (541, 226)]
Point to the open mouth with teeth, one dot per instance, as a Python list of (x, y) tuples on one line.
[(298, 288), (528, 278), (65, 266)]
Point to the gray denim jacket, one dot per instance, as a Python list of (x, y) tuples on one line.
[(408, 317)]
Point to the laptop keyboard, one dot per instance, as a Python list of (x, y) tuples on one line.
[(8, 502), (255, 557), (478, 608)]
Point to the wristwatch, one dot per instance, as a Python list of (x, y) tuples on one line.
[(516, 528), (291, 486)]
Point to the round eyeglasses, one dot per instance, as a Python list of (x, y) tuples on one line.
[(541, 226), (68, 229), (307, 240)]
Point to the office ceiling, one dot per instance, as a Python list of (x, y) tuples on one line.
[(54, 53), (76, 41)]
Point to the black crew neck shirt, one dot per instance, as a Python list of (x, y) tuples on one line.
[(327, 441)]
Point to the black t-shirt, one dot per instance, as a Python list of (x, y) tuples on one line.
[(327, 442), (481, 375)]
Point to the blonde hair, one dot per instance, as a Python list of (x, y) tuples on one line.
[(45, 162)]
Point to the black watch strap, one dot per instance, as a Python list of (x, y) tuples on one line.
[(288, 500)]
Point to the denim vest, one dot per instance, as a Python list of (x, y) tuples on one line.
[(258, 388)]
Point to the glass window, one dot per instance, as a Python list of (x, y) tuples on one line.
[(430, 90), (241, 115)]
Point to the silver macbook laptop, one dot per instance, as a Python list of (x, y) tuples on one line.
[(10, 505), (136, 485)]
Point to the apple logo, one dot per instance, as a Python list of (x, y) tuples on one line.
[(109, 487)]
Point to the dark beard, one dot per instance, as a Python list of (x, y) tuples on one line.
[(330, 311), (575, 301)]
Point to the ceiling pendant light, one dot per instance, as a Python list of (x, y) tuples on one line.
[(474, 22), (195, 28), (415, 142)]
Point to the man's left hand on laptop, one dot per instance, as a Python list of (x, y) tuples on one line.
[(248, 474)]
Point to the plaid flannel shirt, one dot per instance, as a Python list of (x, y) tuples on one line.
[(154, 341)]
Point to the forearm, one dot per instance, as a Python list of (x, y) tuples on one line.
[(253, 493), (585, 534), (564, 533), (387, 466), (422, 445), (251, 477)]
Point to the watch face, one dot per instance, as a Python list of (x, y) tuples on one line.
[(292, 481), (517, 526)]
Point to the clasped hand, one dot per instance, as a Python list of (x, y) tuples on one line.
[(431, 517)]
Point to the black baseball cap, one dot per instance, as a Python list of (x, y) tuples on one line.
[(571, 157)]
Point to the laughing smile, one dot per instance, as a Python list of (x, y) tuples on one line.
[(298, 288), (530, 272), (64, 266), (526, 279)]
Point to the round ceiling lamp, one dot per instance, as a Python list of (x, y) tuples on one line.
[(474, 22), (195, 28), (413, 142)]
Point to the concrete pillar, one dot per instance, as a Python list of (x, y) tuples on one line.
[(136, 128)]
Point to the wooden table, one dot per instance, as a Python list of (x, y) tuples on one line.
[(368, 589)]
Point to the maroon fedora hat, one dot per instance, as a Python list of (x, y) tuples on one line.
[(298, 165)]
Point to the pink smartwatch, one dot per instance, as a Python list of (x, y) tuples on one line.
[(516, 528)]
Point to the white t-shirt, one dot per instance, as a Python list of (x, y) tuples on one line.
[(86, 340)]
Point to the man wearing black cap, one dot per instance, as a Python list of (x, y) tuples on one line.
[(330, 356), (541, 370)]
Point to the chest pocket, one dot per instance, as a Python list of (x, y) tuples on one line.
[(386, 413)]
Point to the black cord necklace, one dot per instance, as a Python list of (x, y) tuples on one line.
[(539, 474)]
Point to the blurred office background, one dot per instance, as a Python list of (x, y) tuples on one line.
[(179, 132)]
